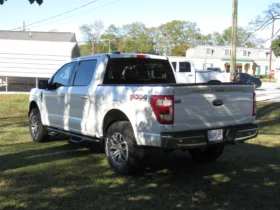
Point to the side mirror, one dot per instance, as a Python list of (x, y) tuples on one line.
[(43, 84)]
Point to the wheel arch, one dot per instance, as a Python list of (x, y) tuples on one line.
[(32, 105), (112, 116)]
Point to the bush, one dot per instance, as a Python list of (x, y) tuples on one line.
[(262, 76)]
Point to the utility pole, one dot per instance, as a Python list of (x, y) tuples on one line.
[(233, 38), (270, 54), (92, 47), (23, 26)]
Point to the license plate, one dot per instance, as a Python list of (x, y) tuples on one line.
[(215, 135)]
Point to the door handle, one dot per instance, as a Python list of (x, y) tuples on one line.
[(190, 75), (84, 97)]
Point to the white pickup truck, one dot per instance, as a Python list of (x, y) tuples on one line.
[(186, 72), (131, 102)]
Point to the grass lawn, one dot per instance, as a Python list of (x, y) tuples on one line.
[(57, 175)]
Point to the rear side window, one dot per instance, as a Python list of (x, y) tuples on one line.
[(184, 67), (84, 73), (138, 71), (174, 64)]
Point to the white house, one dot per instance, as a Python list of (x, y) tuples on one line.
[(26, 56), (250, 60)]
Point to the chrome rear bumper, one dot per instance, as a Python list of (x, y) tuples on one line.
[(196, 139)]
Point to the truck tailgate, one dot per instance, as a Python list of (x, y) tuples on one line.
[(212, 106)]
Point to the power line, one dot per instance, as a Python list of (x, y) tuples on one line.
[(269, 38), (77, 8), (78, 14)]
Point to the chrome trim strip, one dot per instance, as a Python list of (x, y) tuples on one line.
[(183, 138), (192, 145), (246, 137)]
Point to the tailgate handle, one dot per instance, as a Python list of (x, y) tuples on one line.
[(177, 101)]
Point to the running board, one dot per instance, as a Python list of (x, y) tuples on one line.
[(81, 138)]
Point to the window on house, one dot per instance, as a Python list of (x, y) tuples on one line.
[(209, 51), (267, 55), (245, 53), (227, 52)]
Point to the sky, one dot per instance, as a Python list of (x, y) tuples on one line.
[(209, 15)]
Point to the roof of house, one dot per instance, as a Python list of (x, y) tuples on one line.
[(38, 36)]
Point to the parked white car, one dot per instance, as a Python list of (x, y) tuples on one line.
[(186, 72), (131, 102)]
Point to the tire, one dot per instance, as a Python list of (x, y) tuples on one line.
[(121, 149), (37, 130), (209, 154)]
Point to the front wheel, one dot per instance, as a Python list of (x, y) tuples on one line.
[(38, 131), (208, 154), (121, 149)]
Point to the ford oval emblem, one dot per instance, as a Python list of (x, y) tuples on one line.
[(217, 102)]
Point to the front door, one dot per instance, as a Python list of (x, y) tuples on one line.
[(55, 98)]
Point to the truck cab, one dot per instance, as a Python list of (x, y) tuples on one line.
[(186, 72)]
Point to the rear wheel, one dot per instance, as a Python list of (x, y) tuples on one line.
[(37, 130), (121, 149), (208, 154)]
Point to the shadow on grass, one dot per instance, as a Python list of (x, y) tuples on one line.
[(62, 177)]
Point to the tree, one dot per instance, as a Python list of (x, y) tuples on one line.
[(92, 34), (136, 38), (276, 46), (85, 49), (31, 1), (244, 38), (175, 34), (266, 18), (111, 39)]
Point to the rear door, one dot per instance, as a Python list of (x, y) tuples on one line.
[(212, 106), (80, 99)]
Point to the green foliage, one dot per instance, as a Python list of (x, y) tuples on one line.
[(276, 46), (175, 33), (85, 49), (244, 38), (171, 38), (180, 51), (31, 1)]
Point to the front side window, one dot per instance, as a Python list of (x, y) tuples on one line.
[(185, 67), (62, 77), (85, 72)]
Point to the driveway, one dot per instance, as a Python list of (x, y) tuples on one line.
[(268, 92)]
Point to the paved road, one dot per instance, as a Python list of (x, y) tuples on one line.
[(268, 92)]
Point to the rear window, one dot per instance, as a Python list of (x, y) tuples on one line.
[(138, 71)]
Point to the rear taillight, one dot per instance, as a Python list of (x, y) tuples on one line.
[(254, 105), (141, 56), (163, 107)]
